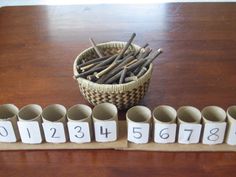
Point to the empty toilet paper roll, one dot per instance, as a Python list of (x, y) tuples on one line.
[(30, 124), (105, 118), (214, 125), (8, 123), (139, 120), (54, 123), (80, 123), (231, 135), (164, 124), (189, 121)]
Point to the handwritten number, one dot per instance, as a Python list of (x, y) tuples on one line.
[(190, 133), (54, 133), (106, 133), (213, 134), (79, 132), (164, 135), (137, 133), (5, 131)]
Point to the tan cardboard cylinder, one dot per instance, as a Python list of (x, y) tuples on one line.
[(29, 114), (140, 117), (188, 114), (231, 117), (164, 129), (8, 112), (104, 113), (55, 113), (214, 118), (164, 114), (189, 125), (81, 113)]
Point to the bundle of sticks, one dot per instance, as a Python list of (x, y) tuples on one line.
[(126, 66)]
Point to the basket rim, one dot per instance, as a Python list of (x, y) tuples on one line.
[(111, 87)]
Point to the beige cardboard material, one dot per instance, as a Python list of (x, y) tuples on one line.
[(231, 116), (211, 114), (188, 114), (105, 112), (8, 112), (32, 113), (121, 143), (81, 113)]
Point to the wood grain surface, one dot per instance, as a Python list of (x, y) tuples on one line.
[(37, 49)]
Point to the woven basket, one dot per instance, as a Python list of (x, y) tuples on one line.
[(122, 95)]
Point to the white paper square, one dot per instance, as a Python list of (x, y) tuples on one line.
[(105, 131), (54, 132), (231, 139), (138, 132), (214, 133), (29, 132), (7, 133), (164, 133), (79, 132), (189, 133)]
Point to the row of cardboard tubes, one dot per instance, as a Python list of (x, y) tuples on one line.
[(81, 124)]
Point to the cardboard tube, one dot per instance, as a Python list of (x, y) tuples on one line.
[(105, 118), (214, 125), (188, 114), (30, 124), (189, 121), (231, 116), (212, 114), (164, 124), (164, 114), (54, 123), (81, 113), (139, 124), (8, 113)]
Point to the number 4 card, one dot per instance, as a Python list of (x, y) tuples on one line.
[(105, 131)]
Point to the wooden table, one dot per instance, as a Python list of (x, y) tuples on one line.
[(38, 46)]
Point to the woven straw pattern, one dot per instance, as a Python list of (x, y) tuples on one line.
[(122, 95)]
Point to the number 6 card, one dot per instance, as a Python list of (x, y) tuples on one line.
[(164, 133)]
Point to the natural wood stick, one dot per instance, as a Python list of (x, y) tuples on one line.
[(95, 48), (91, 71), (130, 63), (141, 72), (107, 61), (129, 68), (91, 61), (115, 71), (126, 47), (84, 68), (92, 78), (109, 68), (145, 53), (139, 50), (149, 60), (122, 76), (129, 79)]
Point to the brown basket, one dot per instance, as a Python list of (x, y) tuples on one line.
[(122, 95)]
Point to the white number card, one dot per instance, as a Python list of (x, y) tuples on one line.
[(164, 133), (29, 132), (105, 131), (79, 132), (7, 133), (189, 133), (214, 133), (138, 132), (54, 132), (231, 139)]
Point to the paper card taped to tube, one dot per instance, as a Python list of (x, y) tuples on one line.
[(105, 131), (164, 133), (54, 132), (189, 133), (29, 132), (231, 139), (7, 133), (79, 132), (138, 132), (214, 133)]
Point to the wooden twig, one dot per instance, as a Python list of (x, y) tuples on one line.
[(91, 71), (143, 47), (91, 62), (141, 72), (96, 48), (123, 74), (126, 47)]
